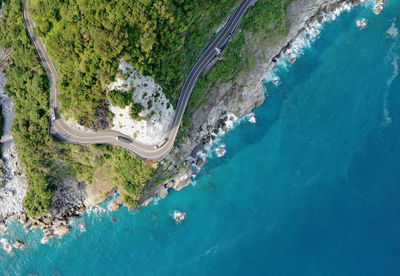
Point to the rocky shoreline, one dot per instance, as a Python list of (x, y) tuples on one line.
[(230, 102), (12, 184), (240, 96)]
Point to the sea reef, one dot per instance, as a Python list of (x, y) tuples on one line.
[(239, 96)]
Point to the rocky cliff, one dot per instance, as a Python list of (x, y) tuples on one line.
[(238, 96)]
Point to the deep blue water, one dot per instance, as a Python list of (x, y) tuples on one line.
[(313, 188)]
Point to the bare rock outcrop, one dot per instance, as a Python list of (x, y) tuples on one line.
[(69, 194)]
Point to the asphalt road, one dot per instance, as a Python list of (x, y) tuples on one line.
[(160, 149)]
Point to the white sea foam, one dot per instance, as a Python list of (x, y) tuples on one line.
[(387, 119), (386, 115), (6, 245), (178, 216), (156, 199), (302, 42), (220, 151), (211, 250), (82, 227), (210, 148), (95, 210), (44, 241), (251, 118), (395, 69)]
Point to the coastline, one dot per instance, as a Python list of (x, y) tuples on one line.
[(304, 17), (212, 120)]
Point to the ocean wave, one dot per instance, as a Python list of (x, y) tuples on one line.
[(387, 119), (303, 41), (211, 250), (386, 114), (95, 210), (220, 151), (395, 69), (393, 31), (156, 199), (209, 149)]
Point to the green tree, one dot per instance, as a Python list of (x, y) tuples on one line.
[(119, 98)]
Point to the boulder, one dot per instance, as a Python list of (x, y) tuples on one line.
[(46, 220), (19, 245), (224, 127), (80, 209), (73, 217), (23, 218), (27, 225), (47, 231), (56, 221), (119, 200), (50, 236), (113, 206), (43, 226), (200, 162), (61, 230), (34, 225)]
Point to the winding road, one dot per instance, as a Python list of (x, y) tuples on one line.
[(148, 153)]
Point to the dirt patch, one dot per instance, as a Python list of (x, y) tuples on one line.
[(101, 186)]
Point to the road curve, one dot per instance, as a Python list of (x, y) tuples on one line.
[(147, 153)]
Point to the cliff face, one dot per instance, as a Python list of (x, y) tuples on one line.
[(238, 96)]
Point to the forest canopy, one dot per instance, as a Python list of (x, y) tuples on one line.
[(87, 38)]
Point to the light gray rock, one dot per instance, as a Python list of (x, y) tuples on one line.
[(46, 220), (23, 218), (61, 230), (19, 245), (113, 206)]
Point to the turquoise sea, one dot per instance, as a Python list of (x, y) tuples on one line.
[(313, 188)]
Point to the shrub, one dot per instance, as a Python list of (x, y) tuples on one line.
[(120, 98), (136, 108)]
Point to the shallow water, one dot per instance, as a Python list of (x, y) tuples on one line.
[(311, 189)]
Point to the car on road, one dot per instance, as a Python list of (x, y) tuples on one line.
[(53, 113), (123, 139), (162, 144)]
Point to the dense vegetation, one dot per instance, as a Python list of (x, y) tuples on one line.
[(86, 39), (119, 98), (45, 160)]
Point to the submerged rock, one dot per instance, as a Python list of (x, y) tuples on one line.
[(362, 23), (178, 216), (220, 151)]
